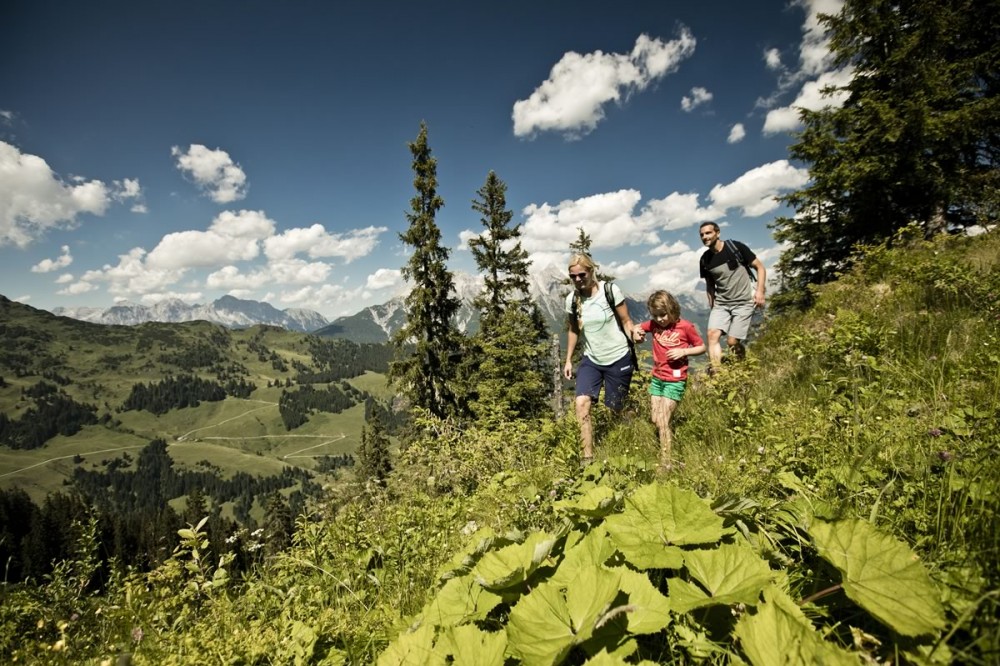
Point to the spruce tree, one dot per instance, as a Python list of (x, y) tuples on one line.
[(507, 368), (374, 460), (916, 141), (428, 346), (498, 254), (279, 524)]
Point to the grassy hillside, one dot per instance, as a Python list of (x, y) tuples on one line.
[(836, 503), (98, 365)]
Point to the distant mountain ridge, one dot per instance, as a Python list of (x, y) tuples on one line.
[(229, 311), (375, 323)]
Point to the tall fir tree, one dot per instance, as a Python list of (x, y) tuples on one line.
[(916, 141), (279, 524), (428, 346), (507, 368), (498, 254)]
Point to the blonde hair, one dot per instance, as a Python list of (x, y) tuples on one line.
[(663, 302), (581, 259)]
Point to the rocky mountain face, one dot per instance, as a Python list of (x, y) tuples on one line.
[(228, 311), (376, 323)]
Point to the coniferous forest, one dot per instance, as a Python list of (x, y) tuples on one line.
[(263, 497)]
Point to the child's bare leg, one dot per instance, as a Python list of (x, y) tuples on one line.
[(662, 408)]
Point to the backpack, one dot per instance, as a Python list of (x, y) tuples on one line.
[(739, 258), (621, 327)]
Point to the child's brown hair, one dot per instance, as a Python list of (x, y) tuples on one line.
[(663, 303)]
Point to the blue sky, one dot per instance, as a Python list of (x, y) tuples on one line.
[(191, 149)]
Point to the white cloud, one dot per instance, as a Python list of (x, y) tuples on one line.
[(606, 218), (297, 271), (8, 116), (772, 58), (677, 273), (736, 134), (316, 242), (233, 236), (754, 192), (77, 288), (810, 97), (622, 271), (813, 72), (213, 171), (385, 278), (676, 211), (572, 99), (33, 199), (230, 278), (697, 97), (677, 247), (65, 278), (49, 265), (132, 276), (129, 189), (814, 52)]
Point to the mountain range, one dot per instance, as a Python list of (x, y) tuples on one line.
[(375, 323)]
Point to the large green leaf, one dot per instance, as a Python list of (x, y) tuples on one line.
[(415, 648), (597, 502), (546, 623), (468, 644), (776, 633), (504, 568), (589, 596), (657, 520), (459, 600), (731, 574), (593, 549), (540, 630), (648, 610), (881, 574), (481, 541)]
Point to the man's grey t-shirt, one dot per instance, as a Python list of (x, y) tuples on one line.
[(733, 285)]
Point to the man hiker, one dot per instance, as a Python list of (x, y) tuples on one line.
[(729, 268)]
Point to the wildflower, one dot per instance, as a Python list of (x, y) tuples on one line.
[(59, 645), (760, 450), (934, 432), (470, 527), (136, 634), (945, 456)]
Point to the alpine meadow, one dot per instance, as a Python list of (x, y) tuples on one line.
[(188, 493)]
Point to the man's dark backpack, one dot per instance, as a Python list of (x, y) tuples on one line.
[(621, 327), (739, 258)]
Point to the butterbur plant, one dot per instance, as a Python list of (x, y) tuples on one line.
[(629, 579)]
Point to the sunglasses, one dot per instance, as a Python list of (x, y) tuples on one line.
[(578, 276)]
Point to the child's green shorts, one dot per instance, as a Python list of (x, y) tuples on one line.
[(663, 389)]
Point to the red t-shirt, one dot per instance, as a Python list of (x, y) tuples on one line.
[(680, 334)]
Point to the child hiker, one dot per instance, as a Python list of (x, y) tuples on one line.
[(674, 339)]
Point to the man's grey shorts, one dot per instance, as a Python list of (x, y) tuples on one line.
[(733, 320)]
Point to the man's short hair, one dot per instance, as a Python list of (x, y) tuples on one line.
[(708, 224)]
